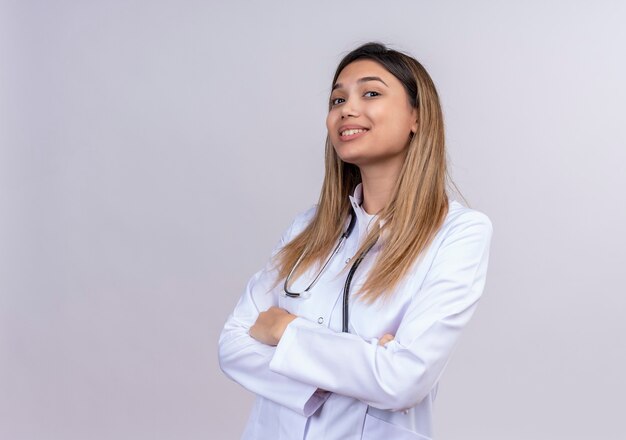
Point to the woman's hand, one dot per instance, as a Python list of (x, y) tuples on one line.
[(385, 338), (270, 325)]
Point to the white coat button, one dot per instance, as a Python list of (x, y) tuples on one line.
[(320, 320), (348, 260)]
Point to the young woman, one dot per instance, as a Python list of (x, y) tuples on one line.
[(346, 331)]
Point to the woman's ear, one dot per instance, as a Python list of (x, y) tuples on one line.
[(414, 124)]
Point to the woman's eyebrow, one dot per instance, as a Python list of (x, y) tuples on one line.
[(361, 80)]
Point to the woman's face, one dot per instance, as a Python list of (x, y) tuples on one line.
[(370, 119)]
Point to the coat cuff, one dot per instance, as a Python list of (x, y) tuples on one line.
[(281, 355)]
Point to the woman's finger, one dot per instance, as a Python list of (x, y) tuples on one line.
[(385, 338)]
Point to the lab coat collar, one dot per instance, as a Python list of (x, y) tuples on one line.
[(356, 199), (357, 194)]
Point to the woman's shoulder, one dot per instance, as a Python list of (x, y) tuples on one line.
[(301, 220), (307, 215), (457, 213), (460, 216)]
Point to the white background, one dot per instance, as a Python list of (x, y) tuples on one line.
[(152, 152)]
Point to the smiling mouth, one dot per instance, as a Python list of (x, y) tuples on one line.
[(352, 131)]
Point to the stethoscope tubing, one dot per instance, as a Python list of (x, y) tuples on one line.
[(353, 268), (344, 236), (346, 288)]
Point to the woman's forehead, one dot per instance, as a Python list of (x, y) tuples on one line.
[(363, 69)]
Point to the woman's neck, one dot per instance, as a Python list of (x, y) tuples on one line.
[(378, 184)]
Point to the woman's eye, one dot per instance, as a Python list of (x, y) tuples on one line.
[(372, 93), (335, 101)]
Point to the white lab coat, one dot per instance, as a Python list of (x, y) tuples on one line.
[(320, 383)]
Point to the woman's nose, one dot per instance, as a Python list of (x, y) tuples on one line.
[(349, 108)]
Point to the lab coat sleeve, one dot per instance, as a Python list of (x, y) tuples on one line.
[(401, 374), (246, 360)]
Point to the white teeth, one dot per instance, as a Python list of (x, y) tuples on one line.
[(352, 131)]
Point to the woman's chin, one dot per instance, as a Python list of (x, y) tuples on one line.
[(354, 160), (350, 155)]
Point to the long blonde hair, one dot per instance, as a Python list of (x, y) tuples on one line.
[(419, 201)]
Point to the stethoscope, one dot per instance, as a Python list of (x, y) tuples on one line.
[(346, 288)]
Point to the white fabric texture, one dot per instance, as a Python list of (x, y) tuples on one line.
[(320, 383)]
